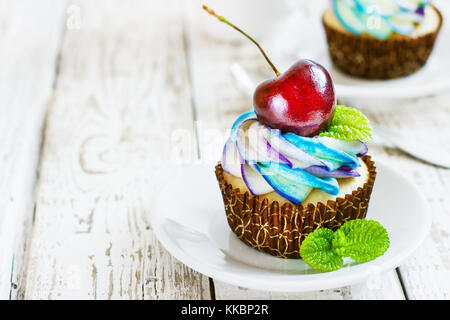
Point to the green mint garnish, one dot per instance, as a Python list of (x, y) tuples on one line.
[(316, 250), (361, 240), (349, 124)]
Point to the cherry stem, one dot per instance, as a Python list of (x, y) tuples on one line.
[(211, 12)]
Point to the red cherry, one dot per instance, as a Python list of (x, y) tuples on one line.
[(302, 100)]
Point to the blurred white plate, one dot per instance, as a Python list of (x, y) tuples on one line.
[(190, 222), (292, 42), (432, 78)]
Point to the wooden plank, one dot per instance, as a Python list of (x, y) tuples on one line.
[(218, 102), (30, 33), (425, 274), (122, 92)]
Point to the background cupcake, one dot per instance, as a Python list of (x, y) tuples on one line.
[(381, 39)]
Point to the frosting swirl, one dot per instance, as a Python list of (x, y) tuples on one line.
[(269, 160), (380, 18)]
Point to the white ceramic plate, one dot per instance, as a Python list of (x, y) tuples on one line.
[(195, 231), (290, 45)]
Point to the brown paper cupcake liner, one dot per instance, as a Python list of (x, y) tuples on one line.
[(372, 58), (279, 229)]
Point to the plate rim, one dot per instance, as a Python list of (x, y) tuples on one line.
[(310, 282)]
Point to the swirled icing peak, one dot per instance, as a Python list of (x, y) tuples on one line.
[(269, 160), (380, 18)]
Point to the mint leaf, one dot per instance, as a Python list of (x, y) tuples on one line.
[(361, 240), (316, 250), (349, 124)]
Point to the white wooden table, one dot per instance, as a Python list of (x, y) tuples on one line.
[(92, 94)]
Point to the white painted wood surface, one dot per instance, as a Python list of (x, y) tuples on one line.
[(426, 274), (121, 92), (28, 55), (131, 81)]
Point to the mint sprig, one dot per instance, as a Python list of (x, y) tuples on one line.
[(349, 124), (361, 240)]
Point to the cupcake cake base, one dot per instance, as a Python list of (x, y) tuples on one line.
[(278, 227)]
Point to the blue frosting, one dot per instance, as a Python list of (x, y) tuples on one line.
[(380, 18), (287, 163)]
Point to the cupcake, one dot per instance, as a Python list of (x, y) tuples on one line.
[(277, 187), (381, 39), (296, 163)]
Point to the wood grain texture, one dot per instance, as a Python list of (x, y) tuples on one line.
[(122, 92), (30, 35), (218, 102), (426, 274), (122, 110)]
